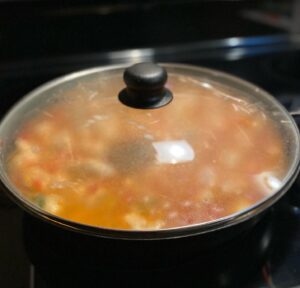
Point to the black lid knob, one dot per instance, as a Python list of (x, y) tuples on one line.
[(145, 86)]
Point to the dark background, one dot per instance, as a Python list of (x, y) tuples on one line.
[(46, 29)]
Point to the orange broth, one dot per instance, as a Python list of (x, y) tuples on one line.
[(90, 159)]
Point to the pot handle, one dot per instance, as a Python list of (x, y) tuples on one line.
[(295, 113)]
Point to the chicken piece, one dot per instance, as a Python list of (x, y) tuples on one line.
[(138, 222), (91, 168)]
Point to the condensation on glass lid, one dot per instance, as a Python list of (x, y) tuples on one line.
[(202, 157)]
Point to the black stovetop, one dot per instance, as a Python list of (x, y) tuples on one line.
[(266, 256)]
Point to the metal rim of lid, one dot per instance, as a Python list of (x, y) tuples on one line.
[(167, 233)]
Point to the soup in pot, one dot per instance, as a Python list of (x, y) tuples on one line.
[(88, 158)]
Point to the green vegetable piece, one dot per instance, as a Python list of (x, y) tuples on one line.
[(39, 200)]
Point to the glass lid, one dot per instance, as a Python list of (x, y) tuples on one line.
[(176, 146)]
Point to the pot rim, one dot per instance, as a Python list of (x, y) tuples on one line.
[(166, 233)]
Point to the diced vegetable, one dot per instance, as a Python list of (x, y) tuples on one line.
[(39, 200)]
